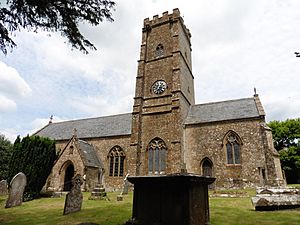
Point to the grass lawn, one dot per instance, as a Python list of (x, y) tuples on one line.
[(49, 211), (223, 211)]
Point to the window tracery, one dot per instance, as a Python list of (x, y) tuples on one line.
[(233, 148), (116, 161), (157, 151)]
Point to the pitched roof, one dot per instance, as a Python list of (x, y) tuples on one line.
[(222, 111), (115, 125), (88, 154)]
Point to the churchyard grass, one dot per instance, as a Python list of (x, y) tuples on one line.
[(223, 211), (49, 211), (239, 211)]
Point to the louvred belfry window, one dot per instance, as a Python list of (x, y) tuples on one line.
[(157, 152), (116, 161), (159, 51)]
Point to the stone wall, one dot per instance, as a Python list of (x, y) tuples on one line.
[(275, 176), (103, 146), (92, 178), (162, 115), (67, 157), (207, 140)]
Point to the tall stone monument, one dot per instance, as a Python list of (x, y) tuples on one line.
[(16, 190), (74, 197)]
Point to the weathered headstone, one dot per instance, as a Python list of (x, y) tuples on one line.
[(3, 187), (16, 190), (74, 197), (125, 186)]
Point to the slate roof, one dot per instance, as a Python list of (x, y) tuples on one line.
[(115, 125), (222, 111), (88, 154)]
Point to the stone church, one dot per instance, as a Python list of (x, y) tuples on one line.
[(166, 132)]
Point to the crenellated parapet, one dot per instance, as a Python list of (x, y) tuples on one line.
[(165, 18)]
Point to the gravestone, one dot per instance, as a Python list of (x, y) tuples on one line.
[(125, 186), (74, 197), (98, 193), (16, 190), (276, 198), (175, 199), (3, 187)]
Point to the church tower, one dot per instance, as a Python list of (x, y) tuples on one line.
[(163, 95)]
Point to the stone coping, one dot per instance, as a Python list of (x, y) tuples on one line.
[(172, 177)]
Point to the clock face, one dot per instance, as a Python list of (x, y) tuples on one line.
[(159, 87)]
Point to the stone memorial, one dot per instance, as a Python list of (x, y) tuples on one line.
[(98, 193), (16, 190), (267, 199), (175, 199), (3, 187), (125, 186), (74, 197)]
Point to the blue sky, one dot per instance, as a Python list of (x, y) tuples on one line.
[(236, 45)]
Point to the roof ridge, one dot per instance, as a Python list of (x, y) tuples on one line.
[(90, 118), (232, 100)]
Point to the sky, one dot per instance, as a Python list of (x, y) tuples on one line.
[(236, 45)]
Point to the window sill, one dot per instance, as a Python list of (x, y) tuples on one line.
[(234, 165)]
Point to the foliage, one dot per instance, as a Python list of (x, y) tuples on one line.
[(34, 156), (290, 161), (286, 136), (285, 133), (54, 16), (5, 153)]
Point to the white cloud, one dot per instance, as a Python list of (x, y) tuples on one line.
[(39, 123), (7, 105), (102, 105), (237, 45), (11, 83), (11, 134), (12, 87)]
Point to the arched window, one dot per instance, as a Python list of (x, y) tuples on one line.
[(116, 161), (71, 149), (157, 151), (207, 166), (233, 148), (159, 50)]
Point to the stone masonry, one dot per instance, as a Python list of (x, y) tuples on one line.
[(167, 132)]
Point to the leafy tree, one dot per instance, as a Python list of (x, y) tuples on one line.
[(286, 136), (285, 133), (5, 153), (34, 156), (54, 16)]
